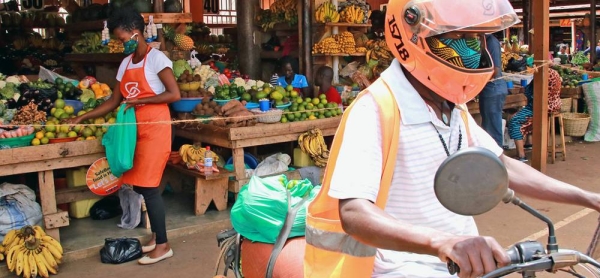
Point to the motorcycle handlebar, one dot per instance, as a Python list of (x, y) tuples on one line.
[(525, 256)]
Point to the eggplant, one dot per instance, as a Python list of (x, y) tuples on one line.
[(11, 103)]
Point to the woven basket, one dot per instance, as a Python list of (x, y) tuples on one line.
[(566, 105), (269, 117), (576, 124)]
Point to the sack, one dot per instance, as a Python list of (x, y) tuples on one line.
[(119, 142), (516, 65), (261, 207), (106, 208), (273, 164), (18, 208), (120, 250)]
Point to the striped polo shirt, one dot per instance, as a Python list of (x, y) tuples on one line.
[(420, 152)]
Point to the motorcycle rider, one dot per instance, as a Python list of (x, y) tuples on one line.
[(441, 63)]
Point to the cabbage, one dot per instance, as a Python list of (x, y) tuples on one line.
[(180, 66)]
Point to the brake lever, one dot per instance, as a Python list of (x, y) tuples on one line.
[(545, 263)]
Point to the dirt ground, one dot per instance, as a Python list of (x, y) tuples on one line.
[(196, 255)]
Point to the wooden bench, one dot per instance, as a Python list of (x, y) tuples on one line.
[(209, 188)]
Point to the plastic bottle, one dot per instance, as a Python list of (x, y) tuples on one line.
[(208, 161)]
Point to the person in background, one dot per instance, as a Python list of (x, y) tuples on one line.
[(587, 51), (145, 82), (493, 95), (323, 80), (9, 6), (290, 77), (521, 123)]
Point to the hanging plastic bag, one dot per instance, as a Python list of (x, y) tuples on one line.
[(119, 141), (261, 207), (120, 250)]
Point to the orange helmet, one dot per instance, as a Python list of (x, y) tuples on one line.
[(410, 22)]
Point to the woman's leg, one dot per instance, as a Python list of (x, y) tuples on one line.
[(514, 130), (156, 213)]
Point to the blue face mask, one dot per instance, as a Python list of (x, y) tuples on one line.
[(464, 53), (130, 46)]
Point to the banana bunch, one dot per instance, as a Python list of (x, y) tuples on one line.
[(32, 252), (354, 14), (346, 41), (192, 155), (327, 46), (90, 42), (378, 50), (281, 6), (313, 143), (361, 49), (115, 46), (506, 56), (327, 12)]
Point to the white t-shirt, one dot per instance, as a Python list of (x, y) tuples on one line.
[(420, 152), (157, 61)]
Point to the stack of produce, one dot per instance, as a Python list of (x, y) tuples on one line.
[(228, 91), (327, 13), (280, 11), (205, 72), (14, 132), (179, 36), (205, 108), (378, 50), (309, 109), (313, 144), (193, 157), (190, 85), (570, 78), (90, 42), (355, 11), (337, 44), (233, 114), (30, 252), (28, 114), (115, 46)]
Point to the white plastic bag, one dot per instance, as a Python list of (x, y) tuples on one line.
[(46, 74), (18, 208), (273, 164)]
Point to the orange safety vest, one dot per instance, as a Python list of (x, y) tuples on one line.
[(331, 252)]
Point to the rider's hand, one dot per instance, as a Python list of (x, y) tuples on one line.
[(474, 255)]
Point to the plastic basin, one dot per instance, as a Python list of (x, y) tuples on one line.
[(186, 105), (249, 159), (16, 142), (76, 104)]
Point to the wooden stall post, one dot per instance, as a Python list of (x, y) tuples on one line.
[(541, 43), (48, 198)]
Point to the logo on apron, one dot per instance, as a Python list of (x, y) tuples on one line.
[(132, 90)]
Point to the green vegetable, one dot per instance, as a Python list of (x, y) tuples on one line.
[(87, 95), (91, 103), (8, 91), (180, 66), (579, 58)]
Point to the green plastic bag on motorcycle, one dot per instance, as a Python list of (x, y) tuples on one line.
[(261, 207)]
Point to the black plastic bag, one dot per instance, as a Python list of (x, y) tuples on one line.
[(120, 250), (106, 208), (516, 65)]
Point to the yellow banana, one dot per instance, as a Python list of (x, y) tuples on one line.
[(27, 264), (53, 242), (48, 258), (55, 253), (39, 231), (41, 265), (20, 261), (9, 238)]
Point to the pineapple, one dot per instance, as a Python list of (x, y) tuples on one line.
[(179, 37)]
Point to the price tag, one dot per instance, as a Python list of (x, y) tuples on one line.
[(32, 4), (100, 180)]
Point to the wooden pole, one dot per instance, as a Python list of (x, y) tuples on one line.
[(593, 39), (305, 25), (526, 21), (248, 38), (541, 41)]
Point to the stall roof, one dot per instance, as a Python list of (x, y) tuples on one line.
[(561, 8)]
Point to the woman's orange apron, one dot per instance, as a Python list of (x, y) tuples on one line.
[(153, 144)]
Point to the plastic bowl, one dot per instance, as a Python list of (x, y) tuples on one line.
[(252, 105), (249, 159), (62, 140), (186, 105), (16, 142), (222, 102), (76, 104)]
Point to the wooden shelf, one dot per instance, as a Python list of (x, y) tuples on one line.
[(342, 55), (346, 24), (97, 25), (95, 57)]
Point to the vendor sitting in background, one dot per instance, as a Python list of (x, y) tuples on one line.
[(289, 77), (324, 79)]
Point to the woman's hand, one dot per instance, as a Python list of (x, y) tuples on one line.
[(132, 102), (73, 121)]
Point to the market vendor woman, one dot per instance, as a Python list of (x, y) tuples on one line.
[(290, 77), (146, 84)]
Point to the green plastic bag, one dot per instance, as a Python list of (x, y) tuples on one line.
[(119, 142), (261, 207)]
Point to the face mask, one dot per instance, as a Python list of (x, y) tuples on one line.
[(464, 53), (130, 46)]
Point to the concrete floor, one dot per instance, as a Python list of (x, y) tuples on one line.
[(193, 238)]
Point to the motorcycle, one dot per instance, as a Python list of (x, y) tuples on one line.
[(472, 182)]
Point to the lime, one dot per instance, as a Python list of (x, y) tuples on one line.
[(44, 140), (35, 142), (59, 104)]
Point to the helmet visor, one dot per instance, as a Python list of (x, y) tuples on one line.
[(442, 16)]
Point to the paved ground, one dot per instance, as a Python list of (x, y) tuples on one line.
[(195, 255)]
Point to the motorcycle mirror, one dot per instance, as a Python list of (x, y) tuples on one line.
[(471, 181)]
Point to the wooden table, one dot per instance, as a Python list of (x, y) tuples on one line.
[(43, 160), (512, 101), (237, 138)]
